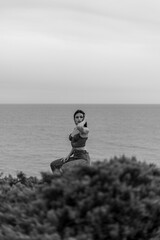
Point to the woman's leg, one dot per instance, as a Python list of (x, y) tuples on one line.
[(79, 158), (56, 164), (75, 162)]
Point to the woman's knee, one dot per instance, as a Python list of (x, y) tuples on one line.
[(56, 164), (52, 166)]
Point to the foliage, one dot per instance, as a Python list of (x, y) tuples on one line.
[(116, 199)]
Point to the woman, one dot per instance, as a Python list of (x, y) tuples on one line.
[(78, 154)]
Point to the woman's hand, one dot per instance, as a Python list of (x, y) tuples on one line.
[(64, 160), (84, 120), (81, 124), (68, 156), (83, 129)]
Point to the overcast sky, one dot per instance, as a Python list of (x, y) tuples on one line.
[(86, 51)]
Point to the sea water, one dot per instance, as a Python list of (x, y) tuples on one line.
[(33, 135)]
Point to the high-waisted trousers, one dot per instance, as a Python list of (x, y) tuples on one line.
[(79, 157)]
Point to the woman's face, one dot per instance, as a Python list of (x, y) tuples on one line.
[(78, 118)]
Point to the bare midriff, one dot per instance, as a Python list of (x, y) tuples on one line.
[(80, 148)]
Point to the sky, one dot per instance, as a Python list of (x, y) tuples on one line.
[(86, 51)]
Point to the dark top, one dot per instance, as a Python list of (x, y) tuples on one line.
[(77, 141)]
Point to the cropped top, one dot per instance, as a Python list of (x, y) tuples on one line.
[(77, 141)]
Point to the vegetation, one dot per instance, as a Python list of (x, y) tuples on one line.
[(114, 200)]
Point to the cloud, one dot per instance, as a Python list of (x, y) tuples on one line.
[(88, 47), (134, 9), (92, 20)]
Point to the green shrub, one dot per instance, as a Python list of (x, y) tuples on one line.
[(116, 199)]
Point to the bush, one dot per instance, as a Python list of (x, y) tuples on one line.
[(116, 199)]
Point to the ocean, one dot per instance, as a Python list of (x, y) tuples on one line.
[(33, 135)]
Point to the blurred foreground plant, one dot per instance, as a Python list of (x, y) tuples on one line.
[(116, 199)]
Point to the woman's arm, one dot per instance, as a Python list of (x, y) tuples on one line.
[(68, 156), (81, 128)]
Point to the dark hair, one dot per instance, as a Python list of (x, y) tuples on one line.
[(80, 111)]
